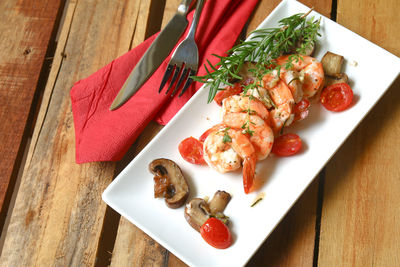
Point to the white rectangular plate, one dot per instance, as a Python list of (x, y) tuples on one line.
[(282, 179)]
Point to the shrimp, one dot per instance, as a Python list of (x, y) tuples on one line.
[(261, 94), (282, 96), (292, 79), (227, 155), (312, 70), (281, 116), (278, 90), (261, 137), (243, 103)]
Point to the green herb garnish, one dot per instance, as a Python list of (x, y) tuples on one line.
[(262, 48), (226, 138), (255, 202)]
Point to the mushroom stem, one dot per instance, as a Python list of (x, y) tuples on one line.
[(219, 202)]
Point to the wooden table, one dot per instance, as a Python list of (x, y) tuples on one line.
[(51, 208)]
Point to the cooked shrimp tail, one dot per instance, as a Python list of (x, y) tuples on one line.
[(249, 169)]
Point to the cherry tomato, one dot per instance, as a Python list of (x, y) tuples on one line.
[(286, 145), (228, 91), (337, 97), (205, 134), (216, 233), (191, 150), (300, 110)]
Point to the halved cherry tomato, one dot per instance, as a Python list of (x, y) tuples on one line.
[(337, 97), (216, 233), (205, 134), (286, 145), (228, 91), (191, 150), (300, 110)]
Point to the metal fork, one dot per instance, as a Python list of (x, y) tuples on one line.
[(186, 55)]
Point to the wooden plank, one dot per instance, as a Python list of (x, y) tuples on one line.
[(265, 7), (26, 28), (142, 26), (360, 216), (132, 245), (58, 215)]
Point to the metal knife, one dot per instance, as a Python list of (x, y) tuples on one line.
[(155, 55)]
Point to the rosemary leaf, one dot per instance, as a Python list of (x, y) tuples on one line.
[(262, 48)]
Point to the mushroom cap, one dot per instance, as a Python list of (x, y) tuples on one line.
[(177, 190), (197, 213)]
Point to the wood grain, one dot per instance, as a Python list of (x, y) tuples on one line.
[(265, 7), (26, 28), (131, 244), (59, 213), (360, 223)]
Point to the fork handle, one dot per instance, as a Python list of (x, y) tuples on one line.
[(196, 17)]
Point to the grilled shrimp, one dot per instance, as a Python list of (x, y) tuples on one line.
[(261, 136), (243, 103), (226, 155), (311, 68), (282, 96), (261, 94), (292, 79), (281, 116)]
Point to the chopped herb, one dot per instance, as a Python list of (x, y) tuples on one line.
[(294, 79), (226, 138), (222, 217), (284, 124), (255, 202), (246, 127)]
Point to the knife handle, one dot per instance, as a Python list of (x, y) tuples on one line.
[(183, 8)]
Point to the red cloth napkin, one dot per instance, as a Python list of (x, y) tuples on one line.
[(104, 135)]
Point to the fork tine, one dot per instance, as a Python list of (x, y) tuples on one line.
[(178, 84), (188, 82), (176, 74), (167, 74)]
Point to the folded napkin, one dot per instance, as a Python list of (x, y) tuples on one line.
[(104, 135)]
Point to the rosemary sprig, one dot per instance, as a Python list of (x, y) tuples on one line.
[(263, 47)]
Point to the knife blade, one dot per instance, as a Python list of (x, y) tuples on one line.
[(154, 56)]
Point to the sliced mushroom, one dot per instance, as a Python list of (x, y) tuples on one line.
[(247, 70), (308, 51), (332, 63), (198, 211), (340, 78), (169, 182)]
